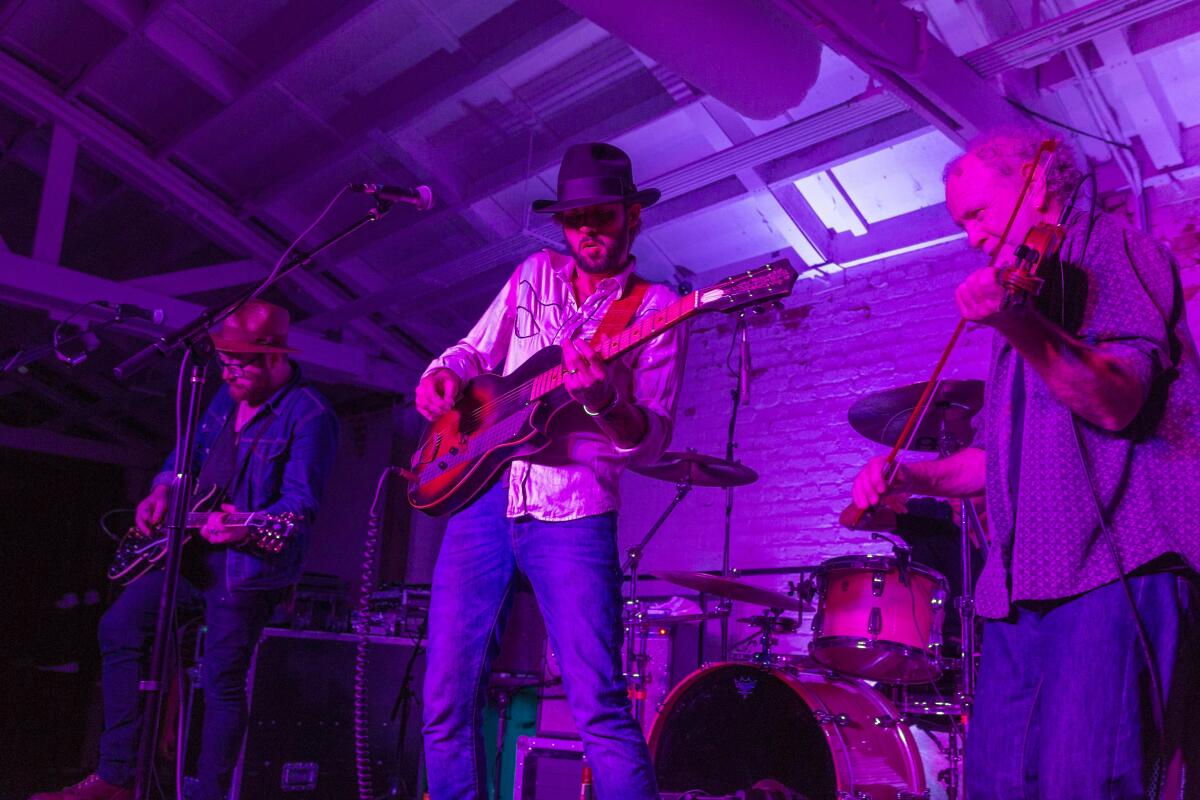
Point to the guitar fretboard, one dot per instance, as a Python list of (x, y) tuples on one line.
[(197, 518), (645, 328)]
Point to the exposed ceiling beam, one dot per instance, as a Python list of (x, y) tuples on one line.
[(829, 129), (556, 33), (201, 279), (893, 44), (1136, 87), (297, 49), (56, 195), (1033, 46), (30, 283), (800, 227), (119, 152), (57, 444), (175, 34), (903, 233)]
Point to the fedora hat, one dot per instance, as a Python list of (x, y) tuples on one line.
[(592, 174), (256, 327)]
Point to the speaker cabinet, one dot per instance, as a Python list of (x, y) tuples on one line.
[(300, 738)]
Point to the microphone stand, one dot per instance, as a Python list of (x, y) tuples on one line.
[(193, 340), (740, 336)]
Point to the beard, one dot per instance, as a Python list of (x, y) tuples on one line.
[(601, 260)]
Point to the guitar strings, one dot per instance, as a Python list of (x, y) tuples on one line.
[(518, 391)]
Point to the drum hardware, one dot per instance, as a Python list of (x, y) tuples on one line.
[(687, 469), (769, 625)]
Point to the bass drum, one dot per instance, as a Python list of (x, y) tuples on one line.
[(727, 727)]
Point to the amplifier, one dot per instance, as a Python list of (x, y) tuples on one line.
[(548, 768), (300, 738)]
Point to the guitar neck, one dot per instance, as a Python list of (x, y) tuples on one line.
[(197, 518), (636, 334)]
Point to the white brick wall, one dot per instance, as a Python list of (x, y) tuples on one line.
[(872, 327)]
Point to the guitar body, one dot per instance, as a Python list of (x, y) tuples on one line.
[(493, 422)]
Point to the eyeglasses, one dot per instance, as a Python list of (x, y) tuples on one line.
[(236, 367)]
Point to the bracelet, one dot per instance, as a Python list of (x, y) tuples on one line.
[(616, 397)]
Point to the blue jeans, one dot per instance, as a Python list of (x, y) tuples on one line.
[(1063, 708), (234, 621), (573, 569)]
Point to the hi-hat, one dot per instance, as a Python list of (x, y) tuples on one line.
[(698, 470), (880, 416), (734, 590)]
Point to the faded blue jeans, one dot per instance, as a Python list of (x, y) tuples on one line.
[(233, 619), (573, 569), (1062, 710)]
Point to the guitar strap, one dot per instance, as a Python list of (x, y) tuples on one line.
[(620, 313)]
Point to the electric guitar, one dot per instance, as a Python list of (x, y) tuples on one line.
[(498, 419), (138, 553)]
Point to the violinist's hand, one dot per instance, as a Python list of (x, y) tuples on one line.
[(870, 485), (981, 298)]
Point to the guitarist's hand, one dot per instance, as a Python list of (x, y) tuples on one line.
[(216, 531), (152, 509), (585, 375), (437, 392)]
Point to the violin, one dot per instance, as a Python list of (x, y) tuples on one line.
[(1020, 279)]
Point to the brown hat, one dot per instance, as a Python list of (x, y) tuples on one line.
[(256, 327), (593, 174)]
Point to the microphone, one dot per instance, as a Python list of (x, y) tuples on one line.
[(130, 311), (419, 196)]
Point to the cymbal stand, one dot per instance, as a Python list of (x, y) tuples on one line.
[(636, 633), (949, 444)]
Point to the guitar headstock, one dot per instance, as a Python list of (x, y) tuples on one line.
[(271, 532), (750, 288)]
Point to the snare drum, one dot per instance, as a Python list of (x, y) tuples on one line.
[(878, 622), (730, 727)]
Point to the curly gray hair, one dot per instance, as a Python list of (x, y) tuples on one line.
[(1007, 149)]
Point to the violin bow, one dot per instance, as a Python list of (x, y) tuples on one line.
[(854, 515)]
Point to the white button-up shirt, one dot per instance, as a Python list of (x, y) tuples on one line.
[(537, 308)]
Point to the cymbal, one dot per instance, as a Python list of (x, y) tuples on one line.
[(697, 469), (733, 589), (880, 416)]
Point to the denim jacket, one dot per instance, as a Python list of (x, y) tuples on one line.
[(290, 444)]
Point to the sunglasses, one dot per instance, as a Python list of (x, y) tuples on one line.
[(237, 366)]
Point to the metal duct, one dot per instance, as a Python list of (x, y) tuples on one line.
[(755, 58)]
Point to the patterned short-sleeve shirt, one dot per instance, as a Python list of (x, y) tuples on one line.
[(1120, 290)]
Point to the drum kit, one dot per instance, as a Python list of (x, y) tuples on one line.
[(838, 722)]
